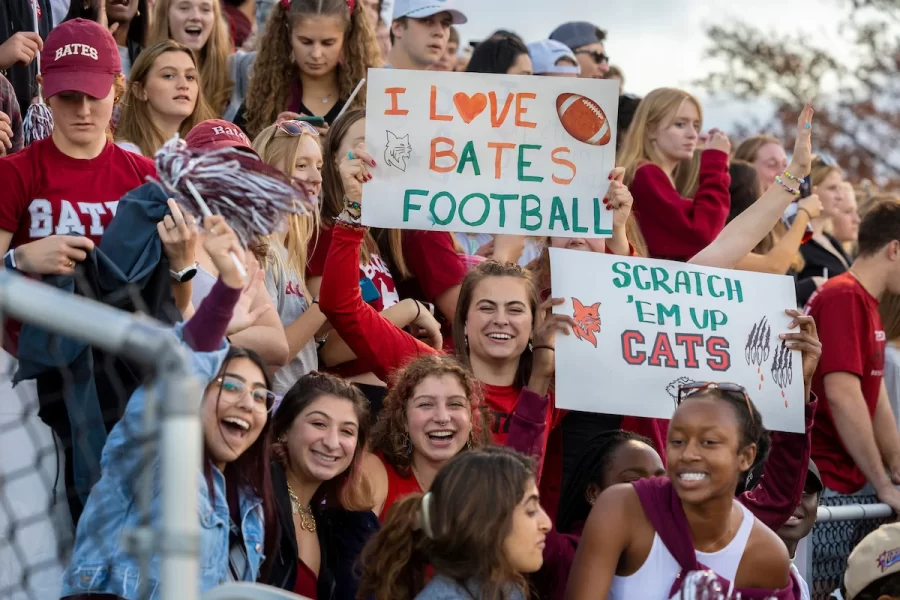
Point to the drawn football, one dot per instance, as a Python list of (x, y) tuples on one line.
[(583, 119)]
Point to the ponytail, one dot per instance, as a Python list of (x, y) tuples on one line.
[(394, 561)]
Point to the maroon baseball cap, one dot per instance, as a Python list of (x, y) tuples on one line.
[(80, 56), (214, 134)]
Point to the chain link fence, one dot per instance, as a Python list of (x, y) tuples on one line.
[(79, 360)]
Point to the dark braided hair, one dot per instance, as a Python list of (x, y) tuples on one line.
[(590, 468)]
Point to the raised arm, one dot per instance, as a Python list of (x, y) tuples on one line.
[(740, 236), (778, 260)]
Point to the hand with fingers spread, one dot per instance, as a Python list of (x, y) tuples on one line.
[(53, 255), (220, 242), (486, 250), (801, 160), (806, 341), (354, 171), (546, 325), (178, 233), (20, 49)]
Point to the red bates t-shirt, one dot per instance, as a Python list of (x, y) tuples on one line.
[(44, 192), (853, 341), (48, 193), (377, 270)]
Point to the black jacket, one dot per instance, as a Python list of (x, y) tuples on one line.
[(16, 16), (818, 259), (342, 535)]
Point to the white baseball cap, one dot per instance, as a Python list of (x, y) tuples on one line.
[(546, 53), (419, 9)]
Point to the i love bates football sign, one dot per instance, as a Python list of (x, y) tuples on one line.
[(474, 152)]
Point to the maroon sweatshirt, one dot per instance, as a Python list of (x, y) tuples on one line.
[(677, 228)]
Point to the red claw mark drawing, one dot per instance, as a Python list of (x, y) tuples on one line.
[(587, 321)]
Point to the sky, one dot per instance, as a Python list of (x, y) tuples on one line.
[(657, 43)]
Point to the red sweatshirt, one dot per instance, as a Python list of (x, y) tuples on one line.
[(677, 228), (384, 347)]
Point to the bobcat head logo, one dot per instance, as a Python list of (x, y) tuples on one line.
[(587, 321), (397, 150), (674, 386)]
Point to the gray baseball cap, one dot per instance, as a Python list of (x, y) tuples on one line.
[(576, 34)]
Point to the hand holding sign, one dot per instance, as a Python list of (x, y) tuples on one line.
[(546, 326), (807, 342), (354, 171)]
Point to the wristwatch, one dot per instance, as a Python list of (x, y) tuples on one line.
[(185, 274), (9, 260)]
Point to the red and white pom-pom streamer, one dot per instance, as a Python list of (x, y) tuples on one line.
[(38, 122)]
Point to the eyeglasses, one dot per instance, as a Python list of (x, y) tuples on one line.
[(689, 389), (597, 57), (234, 389), (293, 127)]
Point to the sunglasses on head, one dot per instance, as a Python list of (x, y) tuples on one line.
[(597, 57), (823, 160), (294, 128), (695, 387)]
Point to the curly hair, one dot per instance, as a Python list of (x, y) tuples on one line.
[(274, 69), (390, 437), (212, 60), (461, 534)]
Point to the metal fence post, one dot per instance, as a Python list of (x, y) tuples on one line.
[(151, 344)]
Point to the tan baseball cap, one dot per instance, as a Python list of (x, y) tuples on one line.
[(877, 556)]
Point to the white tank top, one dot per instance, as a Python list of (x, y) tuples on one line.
[(653, 581)]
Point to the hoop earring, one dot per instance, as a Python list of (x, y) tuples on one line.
[(407, 445), (469, 442)]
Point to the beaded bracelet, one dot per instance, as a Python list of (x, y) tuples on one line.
[(792, 191), (351, 204), (354, 225), (794, 177)]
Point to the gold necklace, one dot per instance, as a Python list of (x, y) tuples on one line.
[(307, 520), (415, 472)]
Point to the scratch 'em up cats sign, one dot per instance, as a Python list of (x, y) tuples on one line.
[(490, 153), (646, 327)]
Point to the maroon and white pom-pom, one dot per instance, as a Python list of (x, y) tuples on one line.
[(253, 197), (38, 123)]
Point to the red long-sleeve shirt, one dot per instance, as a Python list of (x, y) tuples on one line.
[(677, 228), (384, 347)]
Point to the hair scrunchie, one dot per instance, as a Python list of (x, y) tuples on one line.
[(351, 4), (427, 500), (285, 4)]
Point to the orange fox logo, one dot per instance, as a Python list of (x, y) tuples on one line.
[(587, 321)]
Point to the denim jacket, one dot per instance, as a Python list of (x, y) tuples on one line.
[(100, 561), (444, 588)]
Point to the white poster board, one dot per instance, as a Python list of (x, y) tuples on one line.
[(646, 327), (473, 152)]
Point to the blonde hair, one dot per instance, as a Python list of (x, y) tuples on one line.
[(274, 69), (212, 60), (749, 149), (660, 106), (135, 123), (280, 150)]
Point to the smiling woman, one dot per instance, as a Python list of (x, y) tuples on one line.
[(321, 428), (637, 539)]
